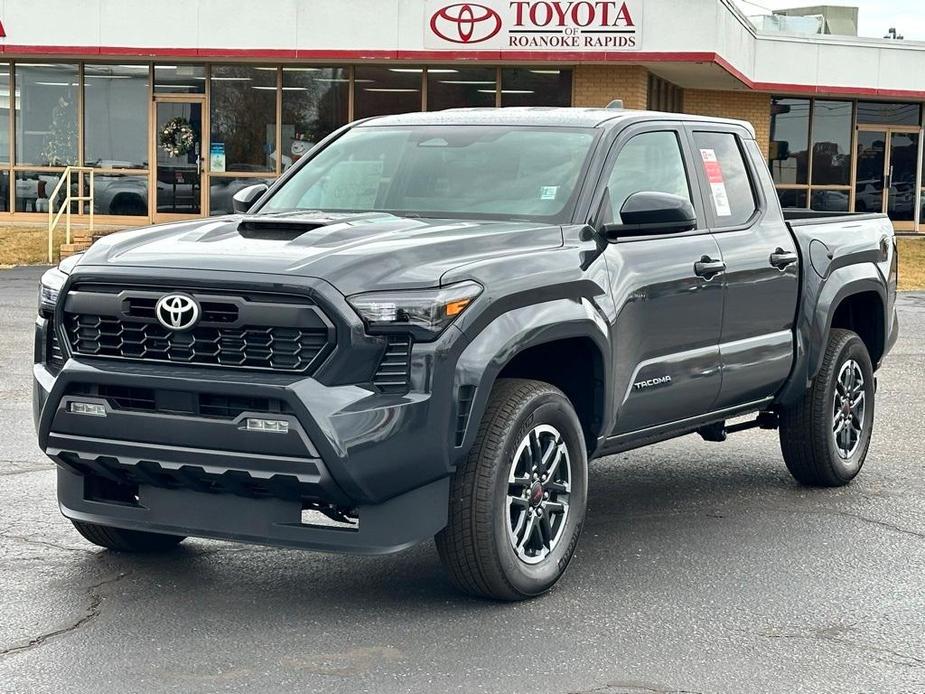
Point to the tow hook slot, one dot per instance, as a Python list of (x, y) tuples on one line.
[(718, 431)]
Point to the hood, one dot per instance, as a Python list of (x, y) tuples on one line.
[(354, 252)]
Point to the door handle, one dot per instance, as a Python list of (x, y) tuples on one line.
[(708, 268), (781, 258)]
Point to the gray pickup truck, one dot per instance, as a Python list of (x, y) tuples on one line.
[(430, 325)]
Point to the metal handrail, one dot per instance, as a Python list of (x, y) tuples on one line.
[(54, 219)]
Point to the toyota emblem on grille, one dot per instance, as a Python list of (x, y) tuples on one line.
[(177, 311)]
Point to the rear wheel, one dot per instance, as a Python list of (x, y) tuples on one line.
[(121, 540), (517, 504), (825, 436)]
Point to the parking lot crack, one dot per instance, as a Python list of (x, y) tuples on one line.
[(836, 634), (856, 516), (43, 543), (633, 688), (94, 607)]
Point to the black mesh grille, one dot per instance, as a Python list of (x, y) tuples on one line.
[(393, 373), (281, 349)]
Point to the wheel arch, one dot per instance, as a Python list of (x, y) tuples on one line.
[(853, 297), (562, 342)]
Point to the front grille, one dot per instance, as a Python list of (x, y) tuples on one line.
[(393, 374), (234, 332)]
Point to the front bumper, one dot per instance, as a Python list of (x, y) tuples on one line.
[(384, 459)]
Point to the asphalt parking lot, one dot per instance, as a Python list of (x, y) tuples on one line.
[(702, 568)]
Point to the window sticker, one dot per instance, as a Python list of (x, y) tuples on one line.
[(714, 173), (548, 192)]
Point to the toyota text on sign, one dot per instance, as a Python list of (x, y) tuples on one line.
[(540, 25)]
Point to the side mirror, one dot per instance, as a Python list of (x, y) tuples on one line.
[(650, 213), (245, 198)]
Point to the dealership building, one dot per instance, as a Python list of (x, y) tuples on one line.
[(177, 104)]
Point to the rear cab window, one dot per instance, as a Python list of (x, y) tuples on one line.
[(729, 189)]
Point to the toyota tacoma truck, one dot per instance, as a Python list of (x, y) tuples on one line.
[(433, 321)]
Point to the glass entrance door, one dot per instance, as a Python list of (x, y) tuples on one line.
[(885, 174), (179, 147)]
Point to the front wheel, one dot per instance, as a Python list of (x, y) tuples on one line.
[(122, 540), (517, 503), (825, 436)]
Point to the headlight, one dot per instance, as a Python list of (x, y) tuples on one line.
[(53, 280), (423, 312)]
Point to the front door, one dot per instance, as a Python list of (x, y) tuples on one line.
[(885, 178), (669, 306), (178, 146)]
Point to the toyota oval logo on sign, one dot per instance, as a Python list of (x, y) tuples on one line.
[(533, 25), (465, 22)]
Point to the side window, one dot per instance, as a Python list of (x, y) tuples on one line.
[(650, 162), (730, 187)]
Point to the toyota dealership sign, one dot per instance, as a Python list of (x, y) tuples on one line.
[(569, 25)]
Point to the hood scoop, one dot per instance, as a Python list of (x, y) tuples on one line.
[(287, 228), (281, 229)]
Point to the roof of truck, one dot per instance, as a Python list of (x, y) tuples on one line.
[(540, 116)]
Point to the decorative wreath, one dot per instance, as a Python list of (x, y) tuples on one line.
[(177, 137)]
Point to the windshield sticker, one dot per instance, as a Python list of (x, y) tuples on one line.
[(714, 173), (548, 192)]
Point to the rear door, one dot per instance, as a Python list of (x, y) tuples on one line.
[(762, 275), (666, 334)]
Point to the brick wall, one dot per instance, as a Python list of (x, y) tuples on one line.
[(751, 106), (598, 85)]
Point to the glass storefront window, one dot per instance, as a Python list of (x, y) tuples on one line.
[(789, 154), (384, 90), (119, 194), (4, 191), (792, 198), (33, 188), (536, 87), (243, 116), (461, 87), (116, 116), (5, 118), (180, 79), (315, 103), (46, 114), (223, 188), (879, 113), (832, 143), (830, 200)]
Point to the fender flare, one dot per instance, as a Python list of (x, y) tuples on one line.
[(817, 310), (510, 334)]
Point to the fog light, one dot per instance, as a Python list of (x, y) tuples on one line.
[(89, 408), (275, 426)]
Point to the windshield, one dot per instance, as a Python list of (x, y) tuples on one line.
[(488, 172)]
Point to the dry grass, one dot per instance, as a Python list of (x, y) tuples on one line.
[(27, 244), (911, 264)]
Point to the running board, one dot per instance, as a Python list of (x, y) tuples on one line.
[(718, 431)]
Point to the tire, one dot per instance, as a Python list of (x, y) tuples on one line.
[(121, 540), (808, 429), (489, 514)]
